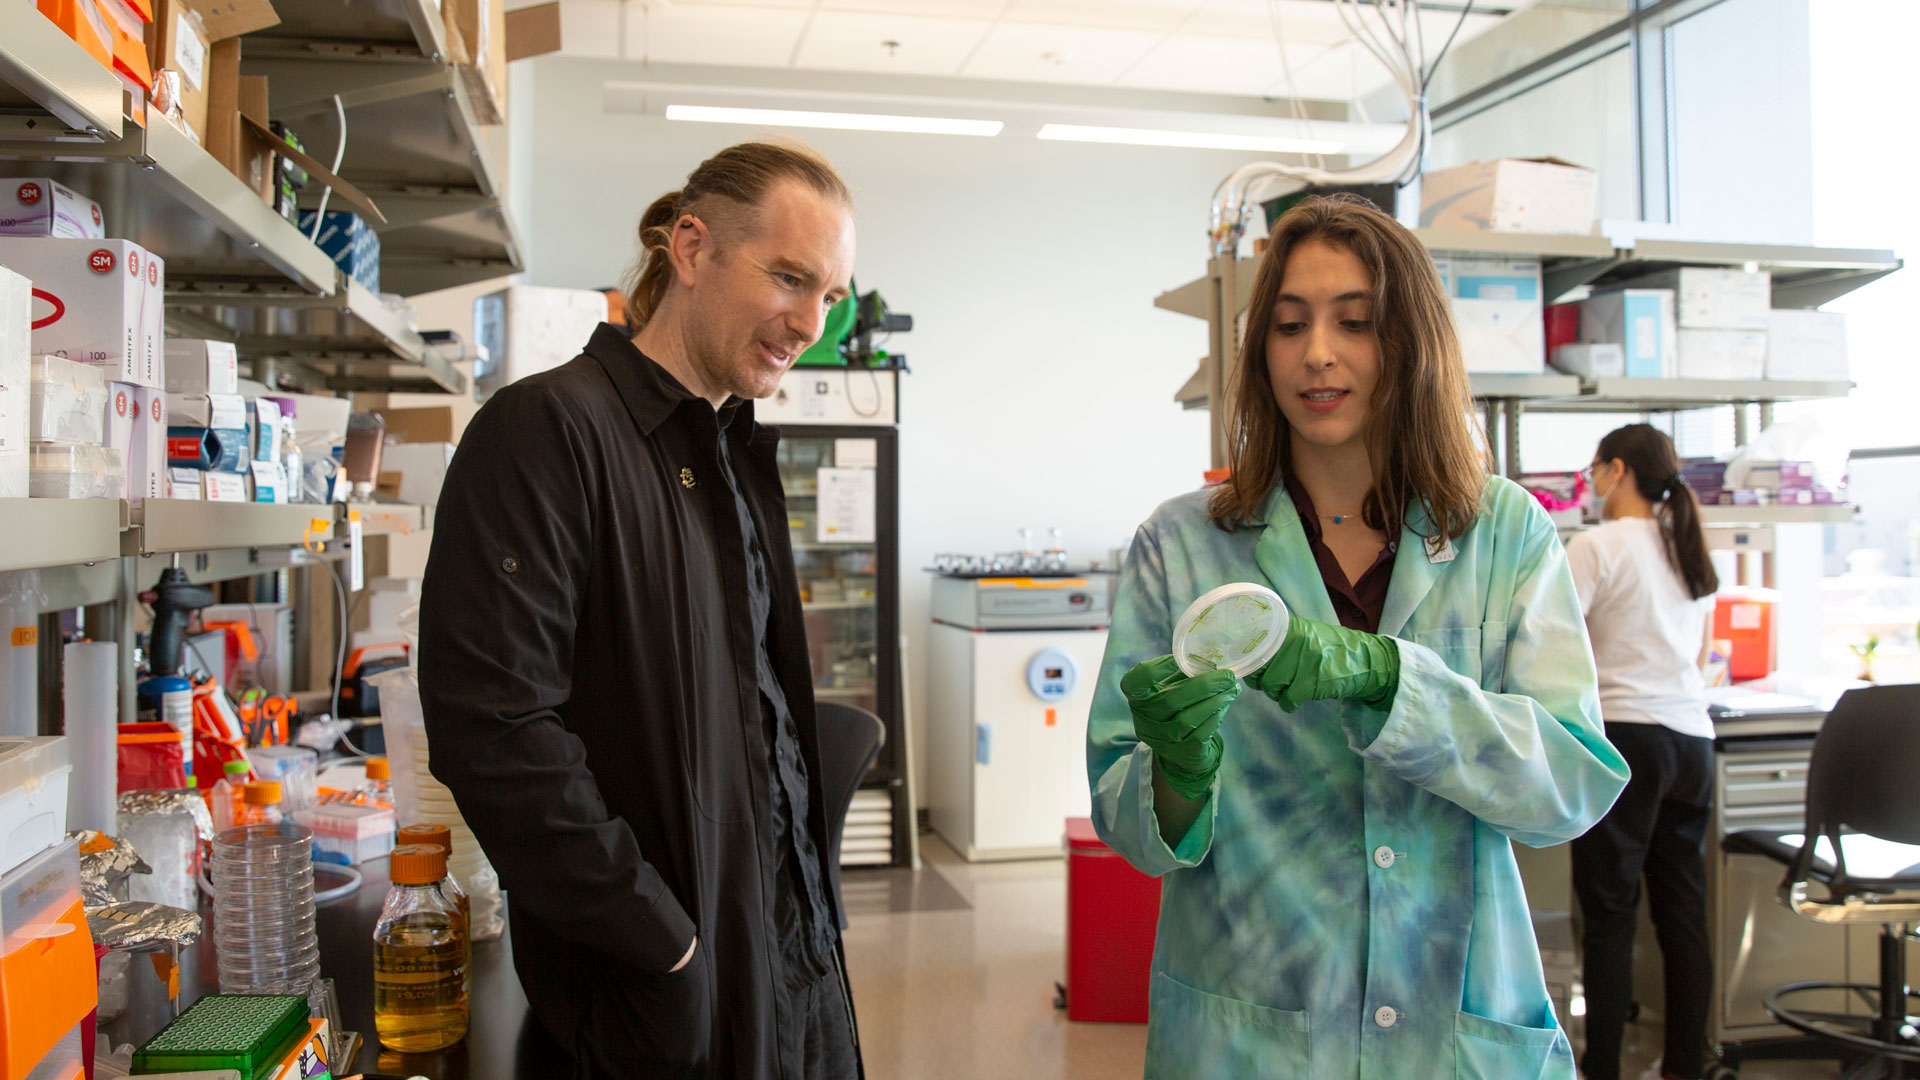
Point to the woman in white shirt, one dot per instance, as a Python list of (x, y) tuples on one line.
[(1646, 586)]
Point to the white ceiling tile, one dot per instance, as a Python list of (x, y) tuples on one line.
[(1080, 55), (713, 35), (853, 41), (800, 5), (1161, 16), (939, 9), (1301, 22), (1215, 65)]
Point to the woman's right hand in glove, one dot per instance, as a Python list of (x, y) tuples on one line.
[(1179, 717)]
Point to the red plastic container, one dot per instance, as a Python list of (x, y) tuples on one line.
[(1113, 911), (1744, 618), (1563, 326)]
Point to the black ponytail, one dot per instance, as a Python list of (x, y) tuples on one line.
[(1656, 472)]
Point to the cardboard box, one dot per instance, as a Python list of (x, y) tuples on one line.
[(477, 37), (95, 301), (147, 470), (227, 411), (264, 423), (179, 44), (269, 483), (195, 366), (1640, 321), (1591, 361), (1504, 337), (419, 425), (1714, 298), (225, 487), (37, 206), (533, 31), (1488, 277), (16, 408), (1721, 354), (1805, 344), (122, 405), (352, 245), (1529, 195), (69, 401), (421, 469), (186, 483), (400, 555)]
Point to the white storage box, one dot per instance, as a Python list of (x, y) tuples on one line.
[(186, 484), (69, 401), (1721, 354), (1504, 337), (1805, 344), (421, 469), (1640, 321), (1591, 361), (16, 305), (33, 796), (37, 206), (224, 486), (1537, 195), (75, 471), (1715, 298), (196, 366), (225, 412), (96, 301), (527, 329)]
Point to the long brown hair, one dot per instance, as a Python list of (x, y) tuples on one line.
[(1420, 434), (1656, 474), (726, 189)]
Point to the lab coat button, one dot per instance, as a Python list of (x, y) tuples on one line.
[(1383, 858), (1385, 1016)]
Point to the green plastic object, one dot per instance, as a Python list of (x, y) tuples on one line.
[(826, 351), (245, 1032)]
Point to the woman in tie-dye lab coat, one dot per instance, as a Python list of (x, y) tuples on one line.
[(1341, 898)]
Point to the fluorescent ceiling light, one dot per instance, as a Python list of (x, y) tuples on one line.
[(1194, 140), (918, 125)]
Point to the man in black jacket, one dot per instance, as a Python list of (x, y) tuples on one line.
[(613, 664)]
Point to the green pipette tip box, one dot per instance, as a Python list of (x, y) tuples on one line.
[(247, 1032)]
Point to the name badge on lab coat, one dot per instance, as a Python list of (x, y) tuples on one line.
[(1439, 550)]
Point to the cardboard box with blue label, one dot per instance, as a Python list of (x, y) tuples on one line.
[(1641, 322), (1497, 310)]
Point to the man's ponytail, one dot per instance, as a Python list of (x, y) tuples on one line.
[(646, 282)]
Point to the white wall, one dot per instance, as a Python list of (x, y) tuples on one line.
[(1043, 377)]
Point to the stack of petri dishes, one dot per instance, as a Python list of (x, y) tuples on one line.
[(263, 910)]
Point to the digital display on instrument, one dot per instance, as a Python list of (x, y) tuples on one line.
[(1055, 673)]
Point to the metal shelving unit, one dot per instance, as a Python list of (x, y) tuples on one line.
[(385, 519), (1670, 395), (60, 532), (1775, 515), (165, 526), (41, 69)]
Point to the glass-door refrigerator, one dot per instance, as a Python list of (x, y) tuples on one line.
[(839, 466)]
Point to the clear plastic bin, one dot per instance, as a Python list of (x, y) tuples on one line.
[(68, 401), (297, 770), (33, 796), (47, 974), (57, 470)]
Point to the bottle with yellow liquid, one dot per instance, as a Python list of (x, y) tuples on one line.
[(441, 836), (419, 956)]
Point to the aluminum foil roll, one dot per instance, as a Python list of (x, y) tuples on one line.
[(171, 801), (105, 862), (140, 926)]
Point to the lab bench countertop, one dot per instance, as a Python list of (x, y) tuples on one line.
[(492, 1050)]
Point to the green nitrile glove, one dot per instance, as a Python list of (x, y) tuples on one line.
[(1317, 662), (1180, 718)]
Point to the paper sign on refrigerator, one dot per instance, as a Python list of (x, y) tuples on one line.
[(848, 504)]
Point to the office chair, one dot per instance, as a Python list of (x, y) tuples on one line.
[(850, 740), (1862, 844)]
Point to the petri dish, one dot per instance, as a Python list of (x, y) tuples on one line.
[(1237, 627)]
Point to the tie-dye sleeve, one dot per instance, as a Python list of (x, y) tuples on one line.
[(1119, 765), (1532, 761)]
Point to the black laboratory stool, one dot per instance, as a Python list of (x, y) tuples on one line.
[(850, 740), (1862, 843)]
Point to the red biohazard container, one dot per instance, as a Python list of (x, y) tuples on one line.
[(1743, 620), (1112, 913)]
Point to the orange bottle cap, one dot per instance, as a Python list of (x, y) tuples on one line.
[(262, 792), (440, 836), (378, 769), (417, 864)]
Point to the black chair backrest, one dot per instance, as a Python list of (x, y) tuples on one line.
[(1862, 776), (850, 740)]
